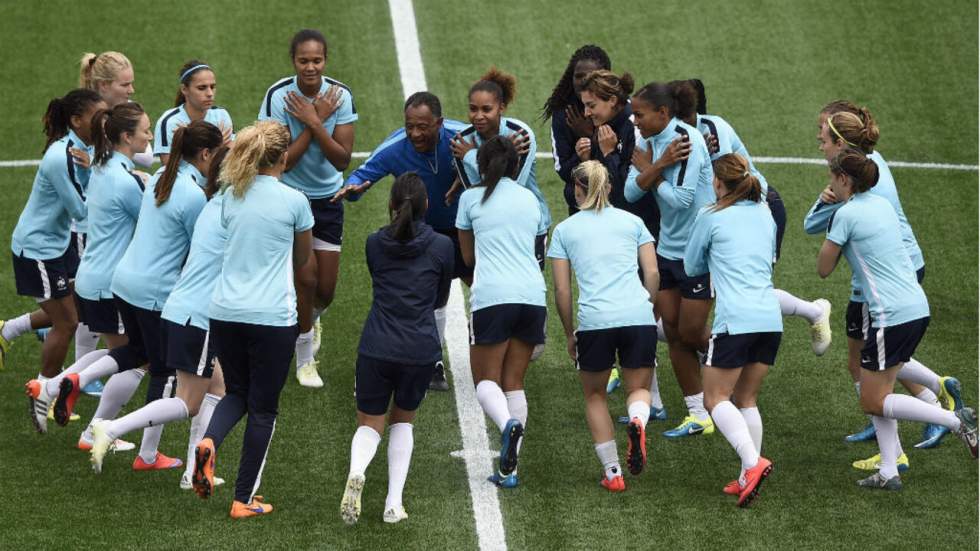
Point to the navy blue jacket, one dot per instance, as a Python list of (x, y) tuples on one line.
[(410, 280)]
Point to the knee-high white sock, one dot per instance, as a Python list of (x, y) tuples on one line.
[(928, 397), (304, 348), (85, 340), (517, 406), (731, 424), (754, 422), (117, 392), (639, 410), (900, 406), (16, 327), (493, 402), (362, 449), (886, 431), (609, 458), (793, 306), (695, 406), (151, 435), (441, 323), (661, 334), (102, 367), (655, 399), (913, 371), (156, 413), (400, 444), (199, 424), (52, 384)]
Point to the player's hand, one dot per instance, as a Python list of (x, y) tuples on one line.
[(642, 159), (712, 142), (570, 344), (678, 150), (607, 139), (302, 109), (80, 157), (226, 133), (581, 125), (143, 176), (351, 192), (451, 194), (521, 141), (327, 104), (583, 148), (461, 146), (828, 196)]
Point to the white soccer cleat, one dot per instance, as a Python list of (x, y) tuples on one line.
[(536, 353), (395, 515), (308, 376), (820, 332), (350, 504), (317, 336), (39, 401), (187, 484), (101, 444)]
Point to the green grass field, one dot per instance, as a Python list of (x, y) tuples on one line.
[(768, 67)]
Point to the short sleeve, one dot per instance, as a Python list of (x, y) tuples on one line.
[(463, 220), (302, 212), (226, 123), (839, 227), (347, 112), (643, 235), (159, 148), (273, 108), (556, 249)]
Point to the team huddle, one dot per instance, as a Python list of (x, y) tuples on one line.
[(211, 274)]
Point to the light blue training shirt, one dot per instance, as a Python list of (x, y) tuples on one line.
[(114, 200), (256, 281), (504, 227), (737, 245), (602, 247), (174, 118), (729, 142), (314, 175)]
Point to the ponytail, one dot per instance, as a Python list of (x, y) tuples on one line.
[(854, 129), (593, 177), (214, 183), (108, 126), (858, 167), (496, 159), (261, 145), (187, 142), (735, 174), (685, 99), (57, 117), (406, 206)]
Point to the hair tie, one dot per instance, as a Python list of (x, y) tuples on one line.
[(190, 71), (745, 174), (830, 123)]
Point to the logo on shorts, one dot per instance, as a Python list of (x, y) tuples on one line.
[(61, 284), (853, 328), (698, 288)]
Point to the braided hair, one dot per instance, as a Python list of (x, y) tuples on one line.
[(564, 92)]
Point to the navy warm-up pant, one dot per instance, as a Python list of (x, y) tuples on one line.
[(255, 362)]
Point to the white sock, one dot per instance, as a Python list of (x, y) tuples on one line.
[(731, 424), (661, 335), (493, 402), (156, 413), (304, 348), (117, 392), (53, 384), (929, 397), (640, 410), (754, 422), (609, 458), (441, 323), (886, 431), (857, 388), (152, 434), (362, 449), (16, 327), (199, 425), (85, 340), (695, 406), (517, 405), (400, 443), (655, 399), (914, 371), (900, 406), (102, 367), (793, 306)]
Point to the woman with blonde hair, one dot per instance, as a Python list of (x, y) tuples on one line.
[(253, 313), (615, 313)]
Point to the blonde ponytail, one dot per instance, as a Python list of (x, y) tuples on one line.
[(261, 145), (594, 178)]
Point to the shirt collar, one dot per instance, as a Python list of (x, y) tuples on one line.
[(74, 138), (126, 161), (193, 172)]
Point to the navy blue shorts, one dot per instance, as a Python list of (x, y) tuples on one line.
[(857, 320), (145, 339), (101, 316), (496, 324), (673, 276), (328, 223), (635, 345), (377, 381), (188, 349), (734, 351), (77, 247), (778, 211), (43, 279), (460, 269), (889, 346)]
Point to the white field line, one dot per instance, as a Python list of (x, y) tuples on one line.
[(472, 424), (420, 79)]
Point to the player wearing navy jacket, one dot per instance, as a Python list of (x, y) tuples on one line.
[(411, 269)]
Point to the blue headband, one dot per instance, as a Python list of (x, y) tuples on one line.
[(188, 72)]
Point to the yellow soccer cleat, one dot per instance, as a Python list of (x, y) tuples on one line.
[(873, 463)]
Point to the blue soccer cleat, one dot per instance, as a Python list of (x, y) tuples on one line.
[(949, 393), (865, 434), (94, 388), (656, 414), (932, 436), (510, 438), (42, 333), (504, 481), (691, 426)]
